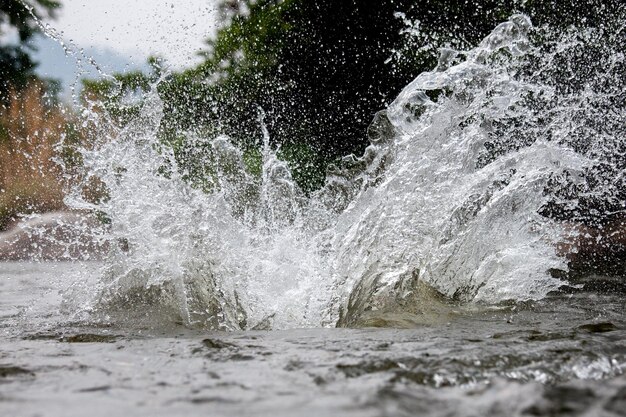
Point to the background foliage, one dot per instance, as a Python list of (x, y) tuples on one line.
[(16, 63), (321, 69)]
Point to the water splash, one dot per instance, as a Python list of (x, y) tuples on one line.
[(472, 232), (445, 204)]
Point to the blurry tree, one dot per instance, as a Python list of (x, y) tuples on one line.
[(31, 129), (321, 69), (36, 132), (16, 63)]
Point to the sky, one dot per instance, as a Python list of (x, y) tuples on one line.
[(174, 29), (121, 34)]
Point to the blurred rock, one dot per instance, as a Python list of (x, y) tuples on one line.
[(55, 236)]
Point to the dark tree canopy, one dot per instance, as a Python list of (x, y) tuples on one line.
[(321, 69)]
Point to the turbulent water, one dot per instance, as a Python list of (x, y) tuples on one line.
[(447, 203), (563, 355), (484, 180)]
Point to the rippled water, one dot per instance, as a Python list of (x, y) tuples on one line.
[(564, 355)]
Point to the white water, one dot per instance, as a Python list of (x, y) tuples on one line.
[(425, 206)]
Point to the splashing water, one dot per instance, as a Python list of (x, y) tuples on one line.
[(445, 202)]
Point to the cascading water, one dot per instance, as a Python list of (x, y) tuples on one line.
[(448, 200)]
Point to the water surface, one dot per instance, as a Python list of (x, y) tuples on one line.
[(564, 355)]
